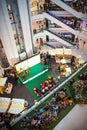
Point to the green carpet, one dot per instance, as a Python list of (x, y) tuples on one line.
[(35, 83), (33, 71)]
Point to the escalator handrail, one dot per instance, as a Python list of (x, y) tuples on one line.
[(60, 19), (61, 37)]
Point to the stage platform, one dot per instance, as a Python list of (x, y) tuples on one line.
[(34, 72)]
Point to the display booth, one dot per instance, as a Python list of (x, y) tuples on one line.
[(59, 53), (2, 84), (63, 53), (26, 64), (30, 68), (67, 53)]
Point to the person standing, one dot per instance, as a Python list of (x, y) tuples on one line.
[(83, 43)]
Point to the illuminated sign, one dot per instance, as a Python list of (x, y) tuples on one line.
[(27, 63)]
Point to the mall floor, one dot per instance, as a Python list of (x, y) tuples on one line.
[(76, 119)]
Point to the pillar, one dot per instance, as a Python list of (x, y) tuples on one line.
[(26, 25), (6, 35)]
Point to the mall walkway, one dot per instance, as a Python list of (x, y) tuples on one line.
[(75, 120), (81, 51)]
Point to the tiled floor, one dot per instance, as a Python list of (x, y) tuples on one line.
[(75, 120)]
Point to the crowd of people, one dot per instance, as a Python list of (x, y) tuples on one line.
[(79, 87), (5, 121), (49, 112)]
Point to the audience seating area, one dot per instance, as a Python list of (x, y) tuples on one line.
[(46, 86), (79, 87)]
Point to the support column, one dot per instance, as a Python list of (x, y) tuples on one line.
[(26, 26), (6, 35)]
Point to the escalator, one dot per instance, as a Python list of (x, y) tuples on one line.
[(59, 21), (59, 38), (64, 35), (66, 7)]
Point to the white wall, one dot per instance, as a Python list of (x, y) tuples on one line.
[(25, 23)]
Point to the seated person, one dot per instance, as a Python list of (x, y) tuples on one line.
[(43, 90), (50, 86), (37, 92), (46, 88), (42, 86), (46, 82)]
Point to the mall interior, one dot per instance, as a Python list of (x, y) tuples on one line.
[(43, 64)]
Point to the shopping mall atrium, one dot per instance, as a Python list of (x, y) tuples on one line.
[(43, 64)]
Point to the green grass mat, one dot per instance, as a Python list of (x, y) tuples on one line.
[(33, 71), (35, 83)]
